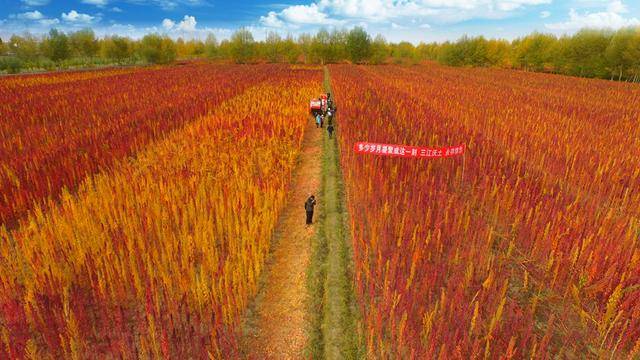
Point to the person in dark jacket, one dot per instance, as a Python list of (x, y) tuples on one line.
[(308, 207), (330, 129)]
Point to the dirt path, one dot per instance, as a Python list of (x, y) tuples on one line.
[(280, 321)]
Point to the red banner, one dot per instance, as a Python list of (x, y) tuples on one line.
[(408, 151)]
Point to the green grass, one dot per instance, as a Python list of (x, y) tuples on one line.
[(316, 275), (334, 316)]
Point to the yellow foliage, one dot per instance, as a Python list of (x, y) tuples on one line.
[(186, 225)]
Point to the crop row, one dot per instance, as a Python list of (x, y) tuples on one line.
[(527, 246), (56, 132), (158, 257), (63, 77)]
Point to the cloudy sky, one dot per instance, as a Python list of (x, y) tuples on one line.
[(412, 20)]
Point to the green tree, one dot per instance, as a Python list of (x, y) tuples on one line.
[(3, 48), (358, 45), (189, 49), (558, 55), (478, 52), (498, 53), (427, 51), (632, 56), (196, 48), (273, 47), (11, 64), (181, 49), (586, 53), (56, 46), (379, 50), (534, 52), (305, 44), (156, 49), (242, 46), (442, 52), (211, 46), (404, 52), (337, 46), (618, 61), (25, 47), (328, 47), (291, 50), (83, 43), (320, 47), (224, 50), (116, 48)]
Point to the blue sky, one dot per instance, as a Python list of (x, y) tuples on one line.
[(412, 20)]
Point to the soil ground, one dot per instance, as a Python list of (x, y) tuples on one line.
[(280, 323)]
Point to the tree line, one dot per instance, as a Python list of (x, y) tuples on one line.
[(588, 53), (80, 49), (593, 53), (59, 50)]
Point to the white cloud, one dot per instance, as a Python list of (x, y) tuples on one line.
[(116, 9), (545, 14), (168, 24), (31, 20), (101, 29), (98, 3), (381, 9), (617, 7), (298, 15), (76, 17), (333, 12), (271, 20), (611, 18), (187, 24), (169, 5), (49, 22), (396, 26), (371, 10), (118, 29), (305, 14), (425, 26), (35, 2), (30, 15)]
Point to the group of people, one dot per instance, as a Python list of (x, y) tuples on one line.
[(324, 113)]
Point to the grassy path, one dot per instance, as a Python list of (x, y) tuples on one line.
[(277, 327), (333, 322)]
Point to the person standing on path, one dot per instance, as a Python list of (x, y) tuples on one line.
[(330, 129), (318, 120), (308, 207)]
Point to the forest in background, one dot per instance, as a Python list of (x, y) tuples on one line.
[(594, 53)]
